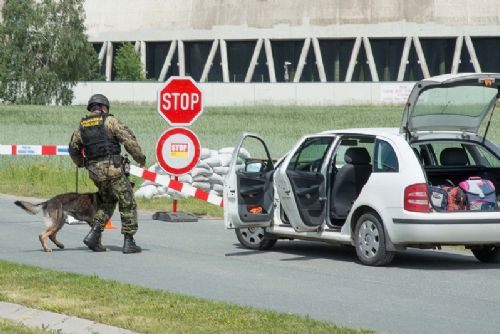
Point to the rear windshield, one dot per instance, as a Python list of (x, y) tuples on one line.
[(470, 101), (454, 153)]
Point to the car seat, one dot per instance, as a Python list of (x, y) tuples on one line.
[(349, 181), (453, 156)]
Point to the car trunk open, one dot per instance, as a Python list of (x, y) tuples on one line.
[(443, 175), (451, 103)]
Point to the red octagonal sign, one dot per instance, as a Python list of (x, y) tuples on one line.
[(180, 101)]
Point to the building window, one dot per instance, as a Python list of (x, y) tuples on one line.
[(239, 55), (196, 54), (336, 55), (286, 56), (438, 54), (97, 48), (488, 53), (465, 65), (116, 46), (413, 70), (156, 52), (387, 55), (362, 69)]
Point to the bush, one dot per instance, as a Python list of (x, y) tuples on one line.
[(44, 51), (128, 65)]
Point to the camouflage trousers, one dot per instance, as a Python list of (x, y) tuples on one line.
[(112, 191)]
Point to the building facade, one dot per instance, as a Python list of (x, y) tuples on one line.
[(268, 41)]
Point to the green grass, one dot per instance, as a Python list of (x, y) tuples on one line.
[(140, 309), (11, 327), (280, 127)]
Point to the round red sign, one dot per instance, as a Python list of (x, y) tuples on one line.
[(180, 101), (178, 151)]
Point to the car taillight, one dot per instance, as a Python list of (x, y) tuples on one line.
[(416, 198)]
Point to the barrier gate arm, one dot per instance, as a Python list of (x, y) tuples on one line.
[(184, 188), (163, 180)]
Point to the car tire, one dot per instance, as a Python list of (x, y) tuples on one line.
[(369, 239), (254, 238), (487, 253)]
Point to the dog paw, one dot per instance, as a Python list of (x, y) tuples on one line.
[(61, 246), (48, 250)]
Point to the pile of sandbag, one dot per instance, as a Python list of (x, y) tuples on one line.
[(207, 175)]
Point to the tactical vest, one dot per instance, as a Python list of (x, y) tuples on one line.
[(97, 141)]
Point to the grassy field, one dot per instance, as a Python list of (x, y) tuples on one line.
[(140, 309), (216, 128)]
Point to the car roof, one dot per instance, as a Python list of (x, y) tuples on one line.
[(446, 77), (366, 131)]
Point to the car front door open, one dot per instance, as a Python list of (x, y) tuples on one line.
[(248, 188)]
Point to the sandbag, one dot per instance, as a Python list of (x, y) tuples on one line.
[(201, 171), (221, 170), (186, 178), (225, 159), (205, 153), (147, 192), (215, 179), (201, 178), (217, 188), (202, 185), (202, 164), (213, 162)]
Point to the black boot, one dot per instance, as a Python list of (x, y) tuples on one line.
[(93, 240), (129, 245)]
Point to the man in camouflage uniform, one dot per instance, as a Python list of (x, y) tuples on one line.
[(100, 136)]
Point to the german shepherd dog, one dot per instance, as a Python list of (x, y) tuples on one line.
[(55, 210)]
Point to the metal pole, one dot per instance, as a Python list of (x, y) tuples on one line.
[(174, 203)]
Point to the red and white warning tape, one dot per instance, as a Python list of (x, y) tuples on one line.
[(183, 188), (33, 150), (163, 180)]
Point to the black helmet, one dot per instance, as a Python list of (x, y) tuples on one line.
[(97, 99)]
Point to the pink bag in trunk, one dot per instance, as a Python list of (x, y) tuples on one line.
[(480, 193)]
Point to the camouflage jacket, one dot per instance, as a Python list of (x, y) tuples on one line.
[(105, 169)]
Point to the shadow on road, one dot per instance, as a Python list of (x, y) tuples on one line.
[(411, 259)]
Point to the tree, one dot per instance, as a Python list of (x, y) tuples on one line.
[(128, 64), (44, 51)]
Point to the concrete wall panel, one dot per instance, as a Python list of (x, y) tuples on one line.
[(238, 94), (152, 20)]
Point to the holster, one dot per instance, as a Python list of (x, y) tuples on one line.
[(117, 160)]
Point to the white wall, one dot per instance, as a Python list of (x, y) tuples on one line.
[(164, 20), (237, 94)]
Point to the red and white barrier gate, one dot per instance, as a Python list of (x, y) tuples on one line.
[(183, 188), (163, 180), (33, 150)]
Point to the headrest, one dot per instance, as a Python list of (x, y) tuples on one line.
[(453, 156), (357, 156)]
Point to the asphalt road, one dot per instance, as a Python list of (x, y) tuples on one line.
[(421, 292)]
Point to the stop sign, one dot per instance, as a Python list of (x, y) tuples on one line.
[(179, 101)]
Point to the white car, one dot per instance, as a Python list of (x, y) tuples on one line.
[(369, 188)]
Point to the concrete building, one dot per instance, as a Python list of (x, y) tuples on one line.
[(300, 40), (293, 51)]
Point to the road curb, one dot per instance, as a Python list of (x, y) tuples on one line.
[(61, 323)]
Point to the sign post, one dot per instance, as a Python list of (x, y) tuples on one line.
[(178, 149)]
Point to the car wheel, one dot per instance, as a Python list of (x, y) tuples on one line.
[(370, 242), (488, 253), (254, 238)]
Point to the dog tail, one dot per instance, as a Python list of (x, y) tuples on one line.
[(29, 207)]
